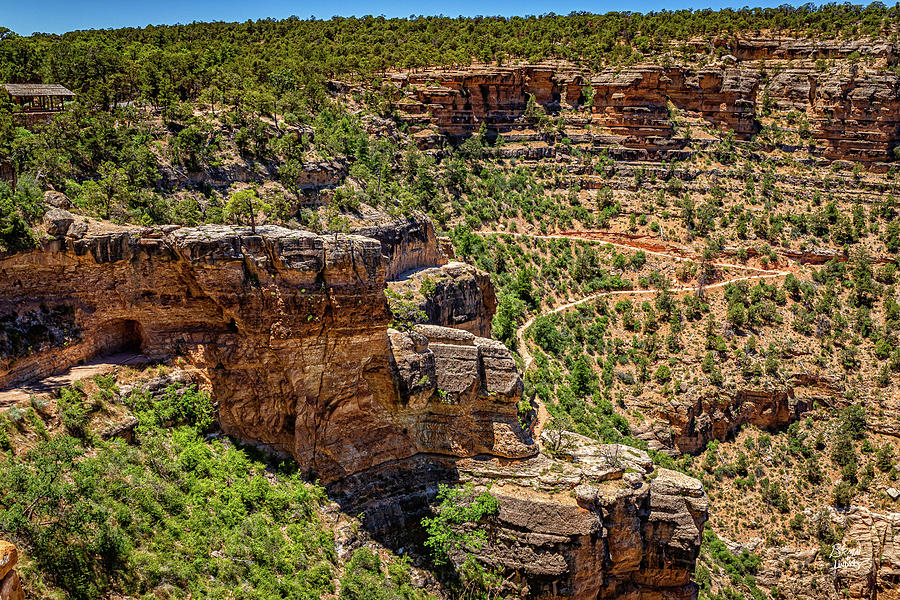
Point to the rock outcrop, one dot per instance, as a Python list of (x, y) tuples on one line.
[(864, 564), (10, 585), (786, 48), (407, 244), (857, 114), (633, 102), (458, 101), (852, 108), (288, 330), (689, 426), (597, 523), (453, 295)]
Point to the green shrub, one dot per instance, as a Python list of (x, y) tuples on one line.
[(73, 411), (17, 210), (663, 373), (843, 493), (171, 511), (177, 406), (458, 530)]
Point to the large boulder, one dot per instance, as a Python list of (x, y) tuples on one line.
[(9, 556), (57, 199), (57, 221)]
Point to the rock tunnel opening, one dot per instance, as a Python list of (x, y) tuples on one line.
[(125, 336)]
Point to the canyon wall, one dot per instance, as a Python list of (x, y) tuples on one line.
[(853, 108), (455, 295), (597, 522), (701, 415), (288, 330), (460, 100)]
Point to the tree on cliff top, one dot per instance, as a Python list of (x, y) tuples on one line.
[(243, 205)]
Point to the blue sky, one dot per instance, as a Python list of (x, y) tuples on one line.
[(58, 16)]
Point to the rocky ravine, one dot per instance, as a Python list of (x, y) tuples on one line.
[(289, 332)]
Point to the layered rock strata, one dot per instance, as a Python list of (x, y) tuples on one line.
[(864, 564), (690, 425), (633, 102), (288, 330), (596, 523), (454, 295), (853, 109), (460, 100), (408, 243)]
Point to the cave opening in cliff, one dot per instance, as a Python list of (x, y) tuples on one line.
[(125, 336)]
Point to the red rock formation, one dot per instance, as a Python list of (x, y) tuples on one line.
[(688, 426), (854, 110), (288, 331), (857, 115), (591, 525), (459, 101), (786, 48)]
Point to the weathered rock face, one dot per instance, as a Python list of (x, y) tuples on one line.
[(597, 524), (634, 101), (853, 109), (10, 586), (631, 102), (459, 101), (767, 48), (690, 426), (865, 564), (289, 332), (287, 328), (407, 244), (857, 115), (312, 175), (453, 295)]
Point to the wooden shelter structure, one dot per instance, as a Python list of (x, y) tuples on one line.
[(38, 97)]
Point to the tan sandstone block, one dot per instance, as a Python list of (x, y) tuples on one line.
[(11, 587), (8, 558)]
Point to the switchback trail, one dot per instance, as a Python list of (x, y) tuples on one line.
[(599, 237)]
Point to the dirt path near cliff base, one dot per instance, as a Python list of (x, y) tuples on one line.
[(96, 366), (657, 249)]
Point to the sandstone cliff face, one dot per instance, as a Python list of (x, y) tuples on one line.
[(634, 101), (857, 115), (453, 295), (865, 564), (287, 328), (853, 109), (782, 48), (597, 523), (460, 100), (688, 427), (407, 244)]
